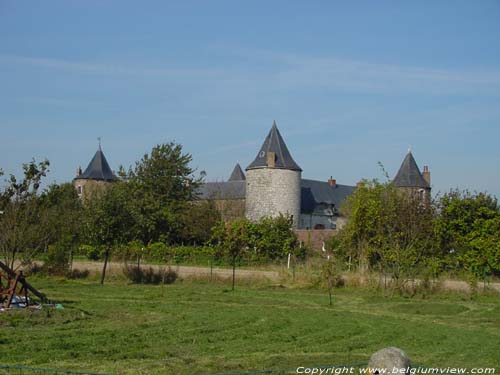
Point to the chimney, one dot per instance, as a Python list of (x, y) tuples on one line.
[(78, 171), (271, 159), (427, 175), (332, 182)]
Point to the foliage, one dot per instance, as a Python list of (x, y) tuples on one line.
[(390, 228), (91, 252), (56, 261), (272, 238), (198, 218), (160, 188), (468, 228), (266, 240), (108, 217), (24, 221)]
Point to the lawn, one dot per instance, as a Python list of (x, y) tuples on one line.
[(195, 327)]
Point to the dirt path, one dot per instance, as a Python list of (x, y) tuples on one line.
[(117, 267), (183, 271)]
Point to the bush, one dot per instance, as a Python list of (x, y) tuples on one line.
[(91, 252), (57, 260), (149, 275), (77, 274)]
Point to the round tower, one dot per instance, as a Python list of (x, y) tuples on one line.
[(96, 176), (273, 181)]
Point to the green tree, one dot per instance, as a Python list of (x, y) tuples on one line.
[(64, 225), (23, 219), (232, 238), (391, 228), (273, 238), (108, 219), (161, 186), (330, 274), (468, 231)]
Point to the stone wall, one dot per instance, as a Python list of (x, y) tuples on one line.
[(86, 188), (272, 191)]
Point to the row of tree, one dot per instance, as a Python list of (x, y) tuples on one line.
[(400, 233), (153, 206), (153, 201)]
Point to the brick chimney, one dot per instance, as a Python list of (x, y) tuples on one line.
[(427, 175), (271, 159), (332, 182)]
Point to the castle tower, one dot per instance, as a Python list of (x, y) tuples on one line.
[(409, 177), (97, 175), (273, 181)]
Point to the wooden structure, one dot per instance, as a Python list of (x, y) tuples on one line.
[(16, 285)]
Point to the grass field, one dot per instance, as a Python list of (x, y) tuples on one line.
[(196, 327)]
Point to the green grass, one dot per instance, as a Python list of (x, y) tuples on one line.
[(197, 327)]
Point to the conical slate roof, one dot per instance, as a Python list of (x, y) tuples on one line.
[(237, 174), (98, 169), (274, 143), (409, 175)]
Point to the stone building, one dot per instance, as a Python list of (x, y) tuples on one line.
[(274, 185), (410, 179), (96, 176)]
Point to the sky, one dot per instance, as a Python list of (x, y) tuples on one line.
[(350, 84)]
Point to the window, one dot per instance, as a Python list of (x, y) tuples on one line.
[(79, 190)]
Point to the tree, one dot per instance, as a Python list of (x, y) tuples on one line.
[(232, 238), (161, 187), (329, 275), (273, 238), (64, 210), (108, 219), (23, 220), (390, 227), (468, 230), (198, 218)]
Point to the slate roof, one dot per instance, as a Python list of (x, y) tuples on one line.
[(274, 143), (98, 169), (222, 190), (313, 193), (409, 175), (237, 174)]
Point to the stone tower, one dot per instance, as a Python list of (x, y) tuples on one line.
[(273, 181), (96, 176), (410, 179)]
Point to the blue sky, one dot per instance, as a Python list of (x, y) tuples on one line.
[(348, 83)]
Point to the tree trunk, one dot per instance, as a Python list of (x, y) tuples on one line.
[(106, 257), (234, 269)]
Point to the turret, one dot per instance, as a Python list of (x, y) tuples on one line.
[(97, 175), (409, 177), (273, 181)]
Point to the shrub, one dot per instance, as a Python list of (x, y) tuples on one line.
[(91, 252), (57, 260), (77, 274), (149, 275)]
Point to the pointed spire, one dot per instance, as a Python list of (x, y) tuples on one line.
[(237, 174), (274, 146), (98, 168), (409, 174)]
